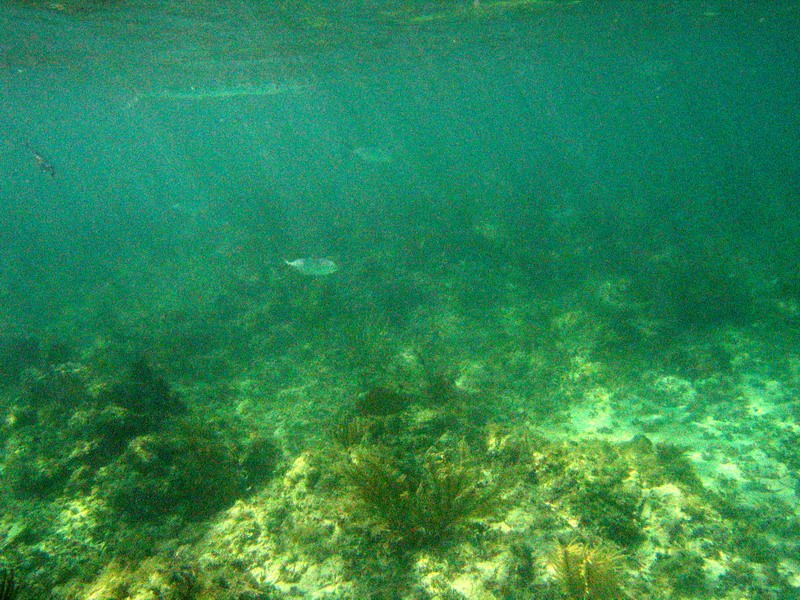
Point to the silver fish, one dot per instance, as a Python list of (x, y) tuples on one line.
[(373, 154), (315, 267), (44, 165), (221, 93)]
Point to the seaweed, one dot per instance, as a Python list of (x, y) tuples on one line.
[(259, 460), (683, 569), (421, 505), (677, 465), (614, 510), (382, 401), (350, 432), (9, 589), (585, 572)]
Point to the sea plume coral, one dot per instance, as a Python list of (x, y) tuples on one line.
[(421, 504), (586, 572)]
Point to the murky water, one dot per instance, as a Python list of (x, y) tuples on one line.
[(554, 245)]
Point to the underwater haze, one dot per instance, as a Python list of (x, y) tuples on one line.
[(396, 299)]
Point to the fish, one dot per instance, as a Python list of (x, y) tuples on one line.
[(222, 93), (373, 154), (44, 165), (314, 267)]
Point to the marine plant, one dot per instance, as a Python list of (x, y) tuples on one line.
[(350, 432), (9, 589), (382, 401), (677, 465), (421, 504), (606, 502), (696, 286), (586, 572), (140, 402), (683, 569), (612, 509)]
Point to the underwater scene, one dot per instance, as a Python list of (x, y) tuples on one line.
[(399, 299)]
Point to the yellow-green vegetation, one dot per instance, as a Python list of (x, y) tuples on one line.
[(676, 466), (602, 484), (588, 572), (8, 585), (349, 432), (382, 401), (682, 569), (424, 504)]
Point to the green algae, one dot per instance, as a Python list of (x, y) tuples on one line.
[(421, 504), (585, 572)]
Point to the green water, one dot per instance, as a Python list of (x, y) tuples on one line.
[(391, 299)]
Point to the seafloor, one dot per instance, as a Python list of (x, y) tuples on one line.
[(425, 423)]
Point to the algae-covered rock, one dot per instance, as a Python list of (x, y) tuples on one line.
[(145, 393), (60, 425), (165, 579), (189, 472), (132, 439)]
